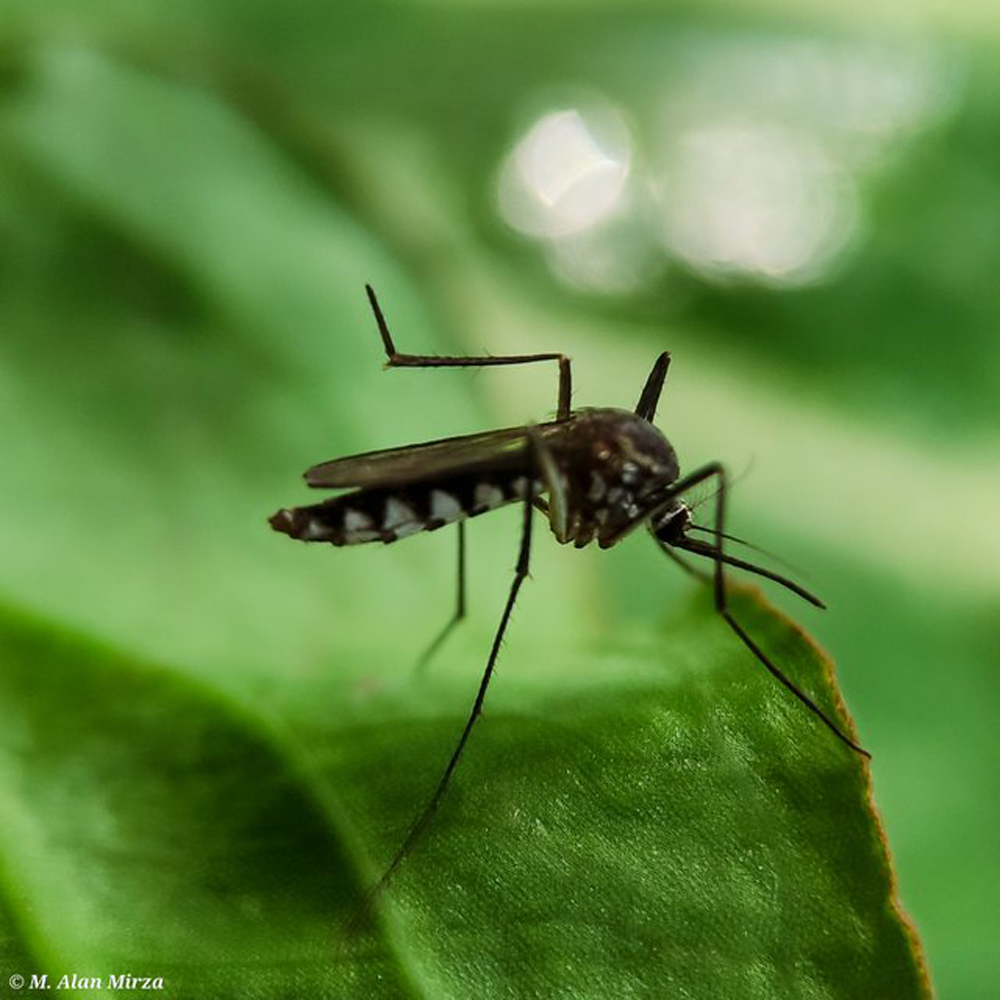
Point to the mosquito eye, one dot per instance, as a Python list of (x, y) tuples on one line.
[(672, 525)]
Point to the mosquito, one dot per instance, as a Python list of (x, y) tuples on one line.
[(595, 473)]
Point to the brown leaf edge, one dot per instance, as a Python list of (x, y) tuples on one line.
[(905, 921)]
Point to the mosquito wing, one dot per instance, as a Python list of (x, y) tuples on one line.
[(500, 449)]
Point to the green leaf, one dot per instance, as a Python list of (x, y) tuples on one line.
[(150, 827), (654, 820)]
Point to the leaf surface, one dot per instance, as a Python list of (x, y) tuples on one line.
[(659, 820)]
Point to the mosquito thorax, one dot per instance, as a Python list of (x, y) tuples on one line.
[(615, 466)]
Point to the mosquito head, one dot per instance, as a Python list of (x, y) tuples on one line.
[(669, 524)]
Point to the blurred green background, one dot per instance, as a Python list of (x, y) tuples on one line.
[(802, 204)]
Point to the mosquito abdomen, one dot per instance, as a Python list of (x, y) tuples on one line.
[(388, 514)]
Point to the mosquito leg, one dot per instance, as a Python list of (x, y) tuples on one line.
[(646, 407), (716, 470), (520, 572), (555, 507), (397, 360), (459, 614), (686, 564)]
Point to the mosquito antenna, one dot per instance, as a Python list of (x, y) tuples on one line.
[(743, 541), (728, 537), (700, 548), (738, 478)]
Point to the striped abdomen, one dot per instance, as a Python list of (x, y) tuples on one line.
[(385, 514)]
